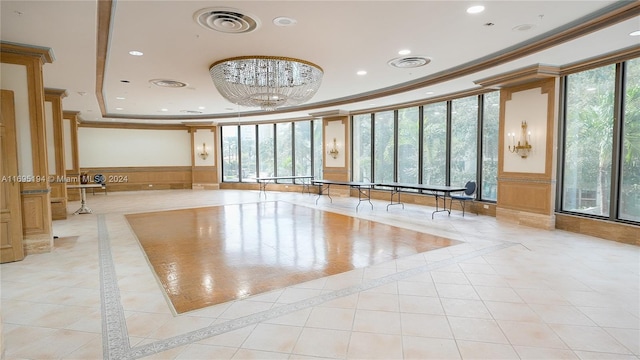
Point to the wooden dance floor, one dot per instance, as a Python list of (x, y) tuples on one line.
[(206, 256)]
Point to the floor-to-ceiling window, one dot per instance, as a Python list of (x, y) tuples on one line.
[(302, 147), (248, 152), (490, 128), (384, 146), (230, 153), (464, 140), (588, 141), (361, 147), (408, 145), (266, 149), (600, 163), (280, 149), (434, 143), (284, 153), (629, 207), (317, 149)]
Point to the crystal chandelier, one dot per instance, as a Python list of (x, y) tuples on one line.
[(267, 82)]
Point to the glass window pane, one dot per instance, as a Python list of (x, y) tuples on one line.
[(490, 125), (588, 140), (383, 141), (230, 153), (464, 139), (630, 169), (317, 149), (248, 152), (303, 147), (408, 141), (434, 146), (265, 148), (283, 150), (362, 148)]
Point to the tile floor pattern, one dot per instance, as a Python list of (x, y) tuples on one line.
[(505, 292)]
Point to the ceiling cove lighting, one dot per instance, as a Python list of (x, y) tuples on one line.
[(267, 82)]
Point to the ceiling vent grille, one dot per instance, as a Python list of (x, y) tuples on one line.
[(226, 20), (409, 62)]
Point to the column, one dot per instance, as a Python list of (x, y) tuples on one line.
[(21, 73), (55, 152)]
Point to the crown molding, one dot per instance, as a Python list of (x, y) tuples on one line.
[(45, 54)]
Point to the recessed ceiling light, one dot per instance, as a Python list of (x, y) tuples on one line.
[(429, 92), (361, 72), (201, 107), (404, 52), (284, 21), (164, 110), (635, 33), (119, 109), (119, 98), (136, 53), (524, 27), (475, 9)]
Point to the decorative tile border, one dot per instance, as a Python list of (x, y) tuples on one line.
[(115, 336)]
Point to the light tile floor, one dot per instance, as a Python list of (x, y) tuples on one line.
[(506, 292)]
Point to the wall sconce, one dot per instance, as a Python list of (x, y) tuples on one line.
[(202, 151), (333, 151), (523, 148)]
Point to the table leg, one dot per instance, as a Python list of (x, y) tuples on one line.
[(305, 187), (364, 196), (393, 192), (84, 209), (444, 205), (321, 190), (263, 188)]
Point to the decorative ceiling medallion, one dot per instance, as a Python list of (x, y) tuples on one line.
[(407, 62), (226, 20), (167, 83)]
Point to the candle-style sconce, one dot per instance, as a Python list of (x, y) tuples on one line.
[(333, 151), (202, 151), (523, 147)]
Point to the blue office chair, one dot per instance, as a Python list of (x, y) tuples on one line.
[(468, 195)]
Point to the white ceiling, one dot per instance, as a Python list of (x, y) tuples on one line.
[(340, 36)]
